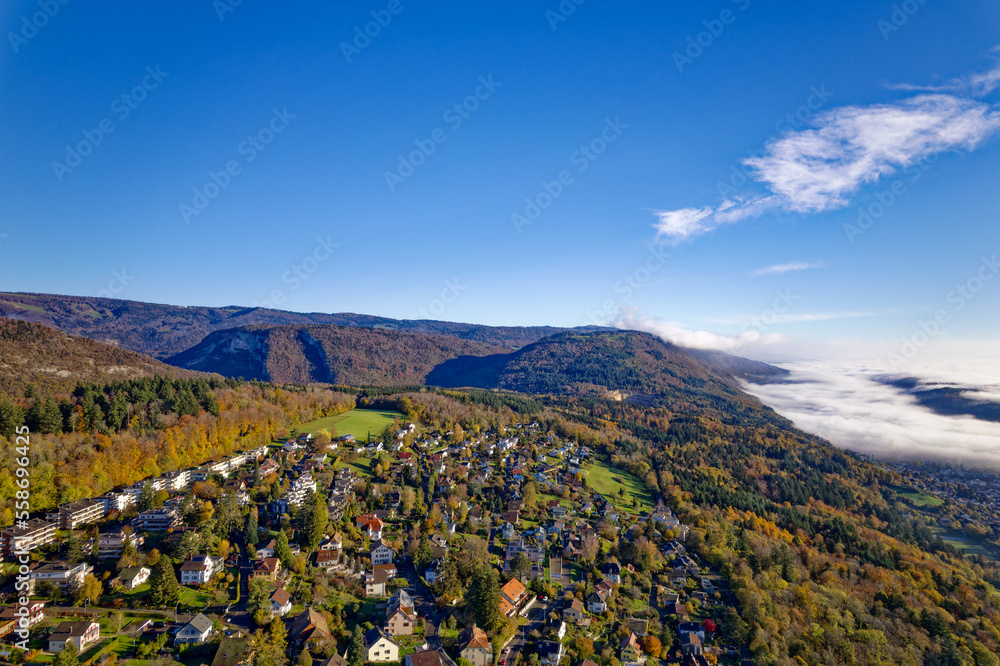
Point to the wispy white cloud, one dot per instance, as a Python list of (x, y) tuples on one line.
[(976, 84), (677, 225), (678, 334), (821, 167), (790, 318), (779, 269)]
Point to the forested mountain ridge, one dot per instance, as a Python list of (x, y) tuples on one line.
[(162, 331), (626, 361), (49, 359), (637, 365), (327, 354)]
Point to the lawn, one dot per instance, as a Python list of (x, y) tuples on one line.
[(609, 480), (958, 541), (361, 465), (917, 498), (194, 598), (357, 422)]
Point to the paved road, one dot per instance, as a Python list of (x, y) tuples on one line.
[(422, 599), (536, 618)]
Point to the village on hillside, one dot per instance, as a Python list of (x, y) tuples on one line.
[(406, 546)]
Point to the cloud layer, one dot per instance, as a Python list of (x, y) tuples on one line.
[(820, 168), (842, 403)]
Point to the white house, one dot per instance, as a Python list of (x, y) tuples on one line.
[(81, 634), (133, 577), (198, 569), (196, 631), (281, 602), (381, 553), (380, 646)]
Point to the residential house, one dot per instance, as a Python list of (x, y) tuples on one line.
[(520, 544), (300, 489), (511, 596), (612, 570), (269, 568), (370, 525), (381, 553), (380, 646), (327, 559), (111, 545), (375, 582), (8, 622), (596, 603), (198, 569), (268, 549), (691, 645), (474, 646), (435, 570), (574, 612), (307, 627), (684, 564), (234, 652), (281, 602), (133, 577), (691, 628), (427, 658), (638, 626), (550, 652), (630, 651), (35, 614), (81, 634), (556, 629), (196, 631), (400, 616)]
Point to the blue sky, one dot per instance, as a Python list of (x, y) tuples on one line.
[(441, 241)]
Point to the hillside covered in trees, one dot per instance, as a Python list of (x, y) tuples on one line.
[(324, 353), (49, 359)]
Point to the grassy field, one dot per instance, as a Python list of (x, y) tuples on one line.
[(362, 465), (194, 598), (917, 498), (608, 481), (960, 542), (357, 422)]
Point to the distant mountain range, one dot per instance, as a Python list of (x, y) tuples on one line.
[(161, 331), (361, 350)]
